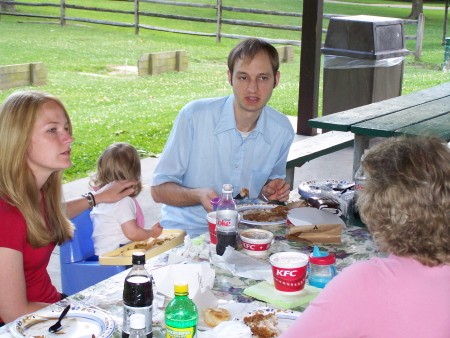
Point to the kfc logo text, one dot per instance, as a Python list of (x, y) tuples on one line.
[(286, 273), (255, 247)]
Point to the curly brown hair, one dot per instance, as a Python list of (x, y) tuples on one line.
[(120, 161), (406, 201)]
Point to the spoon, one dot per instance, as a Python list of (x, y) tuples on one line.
[(57, 326)]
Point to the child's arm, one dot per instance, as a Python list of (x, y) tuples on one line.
[(135, 233)]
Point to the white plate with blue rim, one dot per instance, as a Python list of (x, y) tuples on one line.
[(86, 322), (312, 188), (251, 208)]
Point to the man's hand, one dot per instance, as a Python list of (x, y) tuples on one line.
[(207, 195), (276, 190)]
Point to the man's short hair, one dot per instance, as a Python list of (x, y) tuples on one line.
[(249, 48)]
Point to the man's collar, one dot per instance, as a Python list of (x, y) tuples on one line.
[(227, 121)]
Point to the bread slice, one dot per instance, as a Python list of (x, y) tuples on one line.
[(214, 316)]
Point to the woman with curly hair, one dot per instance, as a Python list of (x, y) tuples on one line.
[(406, 206), (35, 142)]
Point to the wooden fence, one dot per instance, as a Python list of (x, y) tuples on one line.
[(217, 20)]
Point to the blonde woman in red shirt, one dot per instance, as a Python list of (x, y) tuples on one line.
[(35, 141)]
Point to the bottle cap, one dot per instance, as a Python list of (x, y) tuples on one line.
[(138, 258), (181, 287), (227, 187), (321, 257), (137, 321)]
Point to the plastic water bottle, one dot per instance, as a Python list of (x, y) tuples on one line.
[(137, 295), (360, 182), (181, 314), (226, 220), (137, 326)]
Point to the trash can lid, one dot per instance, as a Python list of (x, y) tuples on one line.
[(365, 37)]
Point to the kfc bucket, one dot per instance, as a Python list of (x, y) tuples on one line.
[(289, 271), (256, 242)]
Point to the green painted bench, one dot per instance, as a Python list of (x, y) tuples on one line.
[(307, 149)]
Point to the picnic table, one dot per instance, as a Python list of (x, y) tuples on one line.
[(357, 244), (425, 112)]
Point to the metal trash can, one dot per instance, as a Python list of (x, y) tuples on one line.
[(363, 61)]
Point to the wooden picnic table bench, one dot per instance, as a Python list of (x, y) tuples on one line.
[(306, 149), (425, 112)]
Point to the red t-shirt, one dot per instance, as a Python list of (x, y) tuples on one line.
[(13, 235)]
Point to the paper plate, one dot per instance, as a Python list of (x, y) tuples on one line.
[(79, 323), (308, 189), (248, 208), (312, 216), (285, 317)]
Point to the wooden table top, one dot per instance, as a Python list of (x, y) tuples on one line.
[(426, 112)]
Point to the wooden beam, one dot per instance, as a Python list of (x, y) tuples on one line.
[(309, 65)]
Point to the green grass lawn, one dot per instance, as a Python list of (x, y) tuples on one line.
[(107, 108)]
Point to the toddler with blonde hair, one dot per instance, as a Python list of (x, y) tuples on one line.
[(116, 224)]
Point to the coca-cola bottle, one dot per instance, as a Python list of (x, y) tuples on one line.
[(226, 220), (137, 295)]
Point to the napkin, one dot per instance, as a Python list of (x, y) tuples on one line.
[(191, 249), (227, 329), (200, 278), (242, 265), (266, 292)]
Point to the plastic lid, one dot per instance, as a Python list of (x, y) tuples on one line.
[(227, 187), (138, 258), (181, 287), (321, 257), (137, 321)]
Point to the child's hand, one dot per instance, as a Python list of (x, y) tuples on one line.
[(156, 230)]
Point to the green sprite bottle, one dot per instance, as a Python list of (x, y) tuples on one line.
[(181, 314)]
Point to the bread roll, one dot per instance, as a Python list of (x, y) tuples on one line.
[(214, 316)]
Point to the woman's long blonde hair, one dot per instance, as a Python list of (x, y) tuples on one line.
[(17, 182)]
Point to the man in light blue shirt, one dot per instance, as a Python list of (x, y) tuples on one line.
[(236, 139)]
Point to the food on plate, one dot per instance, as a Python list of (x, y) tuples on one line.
[(276, 214), (214, 316), (323, 202), (153, 242), (263, 325), (297, 204)]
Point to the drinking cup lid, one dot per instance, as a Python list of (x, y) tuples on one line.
[(321, 257)]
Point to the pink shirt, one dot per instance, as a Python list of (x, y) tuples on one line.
[(383, 297)]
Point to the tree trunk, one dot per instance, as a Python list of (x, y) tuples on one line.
[(417, 8)]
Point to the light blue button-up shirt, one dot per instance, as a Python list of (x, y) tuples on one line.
[(206, 150)]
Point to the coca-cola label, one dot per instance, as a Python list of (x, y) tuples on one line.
[(226, 220)]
